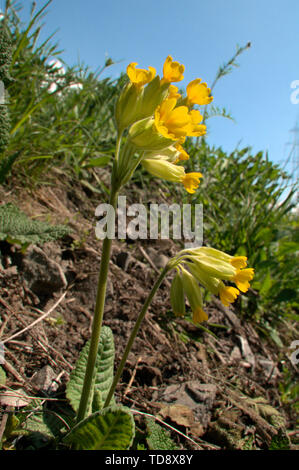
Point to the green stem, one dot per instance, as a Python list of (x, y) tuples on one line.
[(134, 333), (100, 304), (97, 320)]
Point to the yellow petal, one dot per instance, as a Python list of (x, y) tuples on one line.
[(140, 77), (228, 295), (172, 71), (183, 155), (171, 121), (198, 92), (173, 92), (242, 278), (199, 315), (239, 262), (191, 181), (196, 129)]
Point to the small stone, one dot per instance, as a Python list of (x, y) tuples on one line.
[(235, 355), (43, 380), (43, 275), (270, 370), (161, 261)]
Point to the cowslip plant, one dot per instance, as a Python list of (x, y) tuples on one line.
[(153, 121)]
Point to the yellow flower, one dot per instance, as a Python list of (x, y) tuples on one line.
[(140, 77), (172, 71), (199, 315), (198, 92), (228, 294), (191, 181), (173, 123), (211, 267), (239, 261), (183, 155), (170, 172), (173, 92), (242, 278), (196, 129)]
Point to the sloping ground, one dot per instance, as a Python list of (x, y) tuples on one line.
[(217, 385)]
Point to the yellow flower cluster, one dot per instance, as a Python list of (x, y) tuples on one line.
[(209, 268), (159, 119)]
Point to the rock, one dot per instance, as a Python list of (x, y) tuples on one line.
[(43, 380), (179, 414), (246, 351), (270, 369), (161, 261), (235, 355), (194, 395), (158, 259), (43, 275)]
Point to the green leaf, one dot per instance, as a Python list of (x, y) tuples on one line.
[(17, 227), (288, 247), (158, 438), (103, 372), (266, 284), (112, 428), (48, 421), (97, 162)]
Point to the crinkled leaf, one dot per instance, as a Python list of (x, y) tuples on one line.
[(103, 371), (112, 428), (17, 227), (158, 438)]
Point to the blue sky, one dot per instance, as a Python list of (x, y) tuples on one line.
[(202, 35)]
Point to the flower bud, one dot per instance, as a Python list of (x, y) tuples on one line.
[(144, 135), (194, 295), (177, 298)]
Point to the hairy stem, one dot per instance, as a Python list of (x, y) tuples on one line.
[(100, 304), (134, 334)]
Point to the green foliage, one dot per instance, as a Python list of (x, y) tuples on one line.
[(60, 117), (5, 61), (248, 211), (112, 428), (6, 163), (158, 438), (280, 442), (17, 227), (103, 373), (4, 127)]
